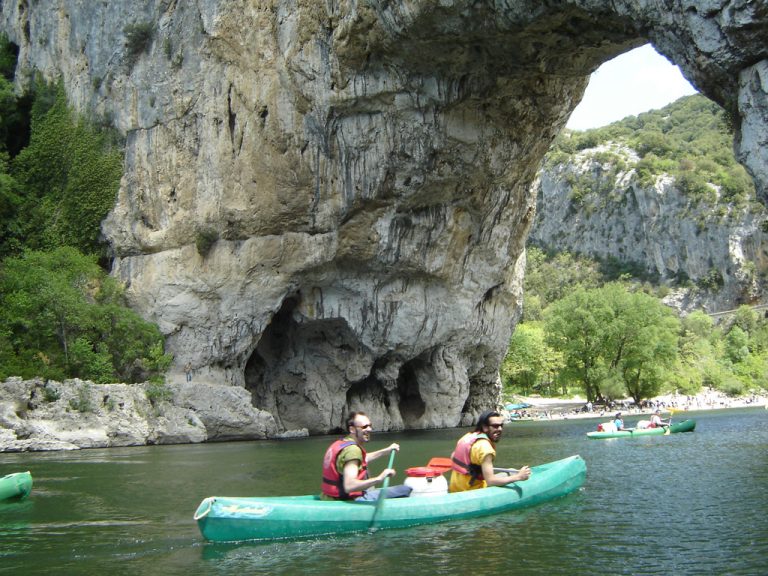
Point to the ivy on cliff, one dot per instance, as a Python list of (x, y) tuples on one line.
[(69, 174)]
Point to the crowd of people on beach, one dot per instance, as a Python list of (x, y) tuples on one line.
[(705, 400)]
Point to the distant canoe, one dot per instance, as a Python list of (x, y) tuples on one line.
[(16, 485), (252, 518), (521, 406), (684, 426)]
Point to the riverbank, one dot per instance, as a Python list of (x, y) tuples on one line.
[(577, 407), (38, 415)]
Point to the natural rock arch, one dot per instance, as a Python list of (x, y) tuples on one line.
[(367, 168)]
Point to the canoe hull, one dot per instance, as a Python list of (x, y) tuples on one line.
[(684, 426), (17, 485), (223, 519)]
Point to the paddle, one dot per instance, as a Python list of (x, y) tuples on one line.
[(669, 424), (382, 492)]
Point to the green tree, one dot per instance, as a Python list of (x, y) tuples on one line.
[(610, 335), (64, 317), (530, 363), (575, 326), (737, 345), (643, 340)]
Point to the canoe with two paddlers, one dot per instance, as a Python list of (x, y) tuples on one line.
[(253, 518), (684, 426)]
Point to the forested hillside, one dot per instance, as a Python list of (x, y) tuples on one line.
[(690, 140), (635, 218), (660, 195)]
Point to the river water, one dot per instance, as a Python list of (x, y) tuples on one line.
[(692, 503)]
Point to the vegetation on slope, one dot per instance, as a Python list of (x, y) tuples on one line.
[(599, 328), (691, 139), (61, 315)]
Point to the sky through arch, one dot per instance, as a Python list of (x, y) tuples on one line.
[(634, 82)]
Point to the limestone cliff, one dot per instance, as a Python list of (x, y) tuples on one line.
[(365, 167), (658, 227)]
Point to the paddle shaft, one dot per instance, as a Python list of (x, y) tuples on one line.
[(382, 492), (385, 484)]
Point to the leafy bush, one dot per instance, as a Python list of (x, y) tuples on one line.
[(205, 240), (158, 392), (138, 37), (64, 317), (82, 402)]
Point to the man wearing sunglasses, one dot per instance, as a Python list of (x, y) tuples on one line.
[(474, 455), (345, 465)]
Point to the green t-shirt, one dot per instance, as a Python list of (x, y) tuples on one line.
[(351, 452)]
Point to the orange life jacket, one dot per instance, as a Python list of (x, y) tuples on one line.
[(333, 481), (462, 459)]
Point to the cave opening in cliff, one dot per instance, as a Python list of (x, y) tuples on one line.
[(367, 392), (299, 370), (412, 406), (268, 356)]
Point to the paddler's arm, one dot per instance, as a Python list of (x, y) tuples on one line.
[(493, 479), (383, 452), (353, 484)]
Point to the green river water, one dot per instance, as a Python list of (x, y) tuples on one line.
[(693, 503)]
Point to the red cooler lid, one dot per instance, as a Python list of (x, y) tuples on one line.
[(423, 471)]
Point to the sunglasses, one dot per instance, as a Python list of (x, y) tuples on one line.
[(496, 425), (366, 427)]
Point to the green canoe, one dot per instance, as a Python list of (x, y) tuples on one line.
[(684, 426), (16, 485), (223, 519)]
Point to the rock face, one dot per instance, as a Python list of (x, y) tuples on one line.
[(655, 226), (37, 415), (328, 203)]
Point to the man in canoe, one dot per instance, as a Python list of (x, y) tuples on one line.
[(656, 421), (474, 456), (345, 465), (618, 422)]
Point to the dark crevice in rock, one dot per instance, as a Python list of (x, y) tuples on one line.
[(412, 406)]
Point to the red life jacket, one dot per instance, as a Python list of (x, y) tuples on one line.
[(461, 457), (333, 481)]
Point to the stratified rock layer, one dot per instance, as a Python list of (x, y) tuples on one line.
[(328, 203)]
